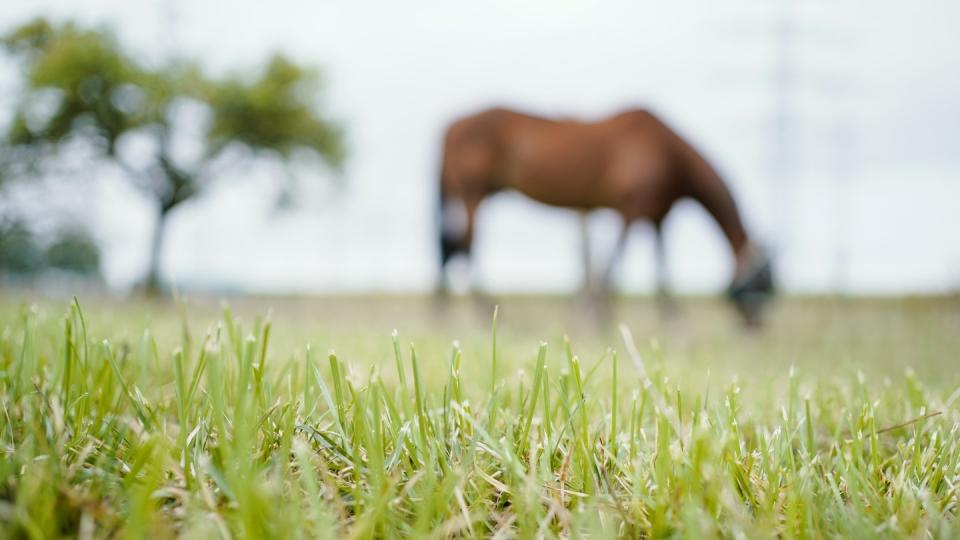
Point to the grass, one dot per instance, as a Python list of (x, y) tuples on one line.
[(148, 420)]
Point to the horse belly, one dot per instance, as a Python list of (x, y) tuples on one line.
[(566, 191), (562, 175)]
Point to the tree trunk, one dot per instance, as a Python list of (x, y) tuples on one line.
[(152, 286)]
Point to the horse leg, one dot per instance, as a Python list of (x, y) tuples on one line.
[(457, 225), (594, 294), (666, 304), (588, 283), (603, 286), (480, 297), (452, 235)]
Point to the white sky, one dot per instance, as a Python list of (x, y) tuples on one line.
[(872, 202)]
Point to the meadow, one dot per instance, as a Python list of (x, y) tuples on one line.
[(379, 417)]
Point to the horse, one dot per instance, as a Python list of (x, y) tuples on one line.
[(631, 162)]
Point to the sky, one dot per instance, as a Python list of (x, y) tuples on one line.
[(864, 197)]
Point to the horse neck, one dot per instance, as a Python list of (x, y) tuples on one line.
[(706, 187)]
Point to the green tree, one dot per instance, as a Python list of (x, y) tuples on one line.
[(84, 93)]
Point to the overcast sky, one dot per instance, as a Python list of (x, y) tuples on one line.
[(870, 201)]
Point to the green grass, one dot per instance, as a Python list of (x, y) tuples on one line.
[(154, 420)]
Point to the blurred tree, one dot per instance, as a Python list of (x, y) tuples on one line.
[(83, 90)]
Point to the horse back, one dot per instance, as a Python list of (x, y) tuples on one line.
[(561, 162)]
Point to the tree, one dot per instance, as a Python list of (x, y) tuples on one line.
[(85, 94)]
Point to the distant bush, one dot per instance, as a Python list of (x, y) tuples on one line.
[(25, 255), (74, 252), (19, 252)]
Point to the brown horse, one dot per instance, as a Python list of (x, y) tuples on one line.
[(631, 162)]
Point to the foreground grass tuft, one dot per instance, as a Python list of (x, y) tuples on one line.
[(221, 437)]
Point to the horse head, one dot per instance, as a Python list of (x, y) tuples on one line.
[(752, 289)]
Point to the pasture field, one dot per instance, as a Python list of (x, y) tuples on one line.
[(287, 418)]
